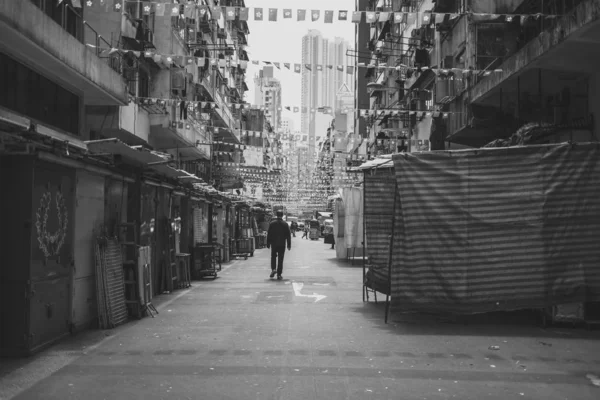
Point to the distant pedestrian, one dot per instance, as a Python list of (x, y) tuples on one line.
[(277, 237), (305, 234)]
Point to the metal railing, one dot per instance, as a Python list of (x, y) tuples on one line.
[(74, 24)]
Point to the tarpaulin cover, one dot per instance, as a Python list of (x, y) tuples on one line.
[(379, 211), (497, 229), (353, 232), (339, 226)]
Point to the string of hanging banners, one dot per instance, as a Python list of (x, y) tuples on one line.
[(231, 13), (179, 61), (207, 105)]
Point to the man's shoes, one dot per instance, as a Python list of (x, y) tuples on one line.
[(272, 273), (279, 277)]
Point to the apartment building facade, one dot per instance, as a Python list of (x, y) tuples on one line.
[(470, 73), (109, 118)]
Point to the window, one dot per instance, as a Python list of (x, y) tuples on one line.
[(143, 84), (63, 15), (29, 93)]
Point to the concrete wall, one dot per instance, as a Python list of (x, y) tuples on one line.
[(135, 120), (496, 6), (89, 218), (106, 23), (30, 22)]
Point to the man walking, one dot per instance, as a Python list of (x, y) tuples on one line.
[(277, 238)]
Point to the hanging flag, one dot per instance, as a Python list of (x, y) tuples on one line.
[(301, 15), (230, 13), (160, 10), (254, 62), (343, 15), (297, 68), (146, 7), (117, 5), (175, 10), (319, 67), (272, 14), (188, 10), (371, 17), (329, 16), (258, 14), (330, 66), (287, 13), (315, 14), (244, 14), (216, 12), (439, 18), (307, 66), (349, 69), (76, 3), (340, 68), (356, 16), (384, 16), (243, 64), (296, 109), (287, 65), (398, 17), (277, 65)]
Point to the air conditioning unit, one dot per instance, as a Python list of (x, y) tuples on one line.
[(221, 34)]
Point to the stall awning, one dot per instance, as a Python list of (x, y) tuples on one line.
[(114, 146), (167, 171), (188, 178), (384, 161)]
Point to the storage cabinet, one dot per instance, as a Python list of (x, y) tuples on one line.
[(36, 253)]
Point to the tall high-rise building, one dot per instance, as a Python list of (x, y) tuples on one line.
[(287, 125), (320, 87), (267, 94)]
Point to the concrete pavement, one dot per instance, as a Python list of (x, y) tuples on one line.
[(310, 336)]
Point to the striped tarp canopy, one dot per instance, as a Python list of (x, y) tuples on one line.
[(497, 229), (379, 185)]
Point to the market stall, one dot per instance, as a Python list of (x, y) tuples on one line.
[(497, 229), (262, 215), (379, 185)]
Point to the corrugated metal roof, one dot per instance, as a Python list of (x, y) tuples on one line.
[(497, 229), (117, 147), (380, 162)]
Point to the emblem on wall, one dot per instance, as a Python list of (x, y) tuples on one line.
[(51, 242)]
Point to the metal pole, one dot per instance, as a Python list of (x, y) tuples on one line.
[(390, 253), (540, 91)]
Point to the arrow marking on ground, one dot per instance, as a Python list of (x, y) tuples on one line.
[(298, 289)]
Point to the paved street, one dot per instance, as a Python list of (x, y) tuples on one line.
[(245, 336)]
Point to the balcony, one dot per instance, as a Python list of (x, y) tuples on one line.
[(179, 137), (224, 117), (570, 44), (130, 123), (30, 36), (137, 33)]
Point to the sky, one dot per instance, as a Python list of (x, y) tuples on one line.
[(281, 41)]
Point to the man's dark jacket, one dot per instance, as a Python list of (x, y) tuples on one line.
[(278, 233)]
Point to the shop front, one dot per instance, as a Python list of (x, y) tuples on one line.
[(36, 253)]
